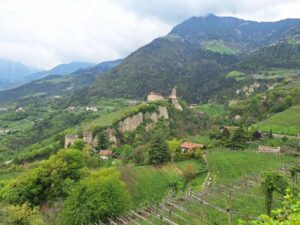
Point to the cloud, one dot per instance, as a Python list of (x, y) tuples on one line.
[(43, 33), (174, 11)]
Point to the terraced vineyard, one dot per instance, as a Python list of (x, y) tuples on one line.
[(224, 201), (287, 122)]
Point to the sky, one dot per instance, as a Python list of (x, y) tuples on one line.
[(45, 33)]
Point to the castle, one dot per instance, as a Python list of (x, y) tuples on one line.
[(153, 96)]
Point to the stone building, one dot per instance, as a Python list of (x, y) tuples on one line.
[(152, 97), (70, 139)]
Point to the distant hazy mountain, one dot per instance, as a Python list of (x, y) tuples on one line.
[(11, 71), (53, 85), (62, 69)]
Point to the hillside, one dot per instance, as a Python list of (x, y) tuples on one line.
[(195, 56), (54, 85), (11, 72), (286, 122), (62, 69)]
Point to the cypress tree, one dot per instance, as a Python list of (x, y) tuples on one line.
[(159, 151)]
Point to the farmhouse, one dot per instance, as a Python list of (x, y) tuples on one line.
[(105, 154), (189, 147)]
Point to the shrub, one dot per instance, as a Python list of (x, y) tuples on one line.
[(100, 196)]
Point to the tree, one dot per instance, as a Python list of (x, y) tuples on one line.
[(103, 141), (20, 215), (273, 182), (140, 154), (239, 139), (159, 151), (50, 180), (99, 197), (289, 214), (127, 153), (294, 172)]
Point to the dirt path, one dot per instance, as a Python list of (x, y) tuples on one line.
[(207, 180)]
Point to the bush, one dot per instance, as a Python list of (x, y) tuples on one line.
[(100, 196), (183, 156), (50, 180)]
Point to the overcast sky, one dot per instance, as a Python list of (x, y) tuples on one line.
[(44, 33)]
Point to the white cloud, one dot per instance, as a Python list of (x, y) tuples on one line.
[(43, 33)]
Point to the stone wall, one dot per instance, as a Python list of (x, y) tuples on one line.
[(152, 97), (268, 149)]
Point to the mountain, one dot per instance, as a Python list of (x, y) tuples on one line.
[(285, 53), (53, 85), (11, 71), (62, 69), (194, 56), (241, 34)]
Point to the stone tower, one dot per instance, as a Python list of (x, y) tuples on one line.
[(173, 93)]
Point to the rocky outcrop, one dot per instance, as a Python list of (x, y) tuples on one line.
[(128, 124), (111, 135), (176, 104), (70, 139), (134, 121), (88, 137)]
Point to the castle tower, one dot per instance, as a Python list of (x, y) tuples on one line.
[(173, 93)]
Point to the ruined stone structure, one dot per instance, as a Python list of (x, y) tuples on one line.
[(88, 137), (172, 97), (152, 97), (268, 149), (173, 94), (70, 139)]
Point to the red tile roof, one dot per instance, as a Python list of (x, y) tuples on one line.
[(105, 152), (189, 145)]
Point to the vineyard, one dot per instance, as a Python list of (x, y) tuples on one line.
[(217, 203)]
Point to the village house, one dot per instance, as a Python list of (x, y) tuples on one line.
[(189, 147), (105, 154)]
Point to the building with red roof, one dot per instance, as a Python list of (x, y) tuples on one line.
[(189, 146)]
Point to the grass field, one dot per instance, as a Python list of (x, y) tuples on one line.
[(227, 166), (148, 184), (212, 110), (287, 122), (220, 47), (276, 73)]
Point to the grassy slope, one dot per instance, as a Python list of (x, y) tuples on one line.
[(219, 47), (211, 109), (148, 184), (287, 122), (227, 167)]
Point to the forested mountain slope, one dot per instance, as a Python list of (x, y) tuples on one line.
[(195, 56)]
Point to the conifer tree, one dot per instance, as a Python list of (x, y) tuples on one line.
[(159, 151)]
